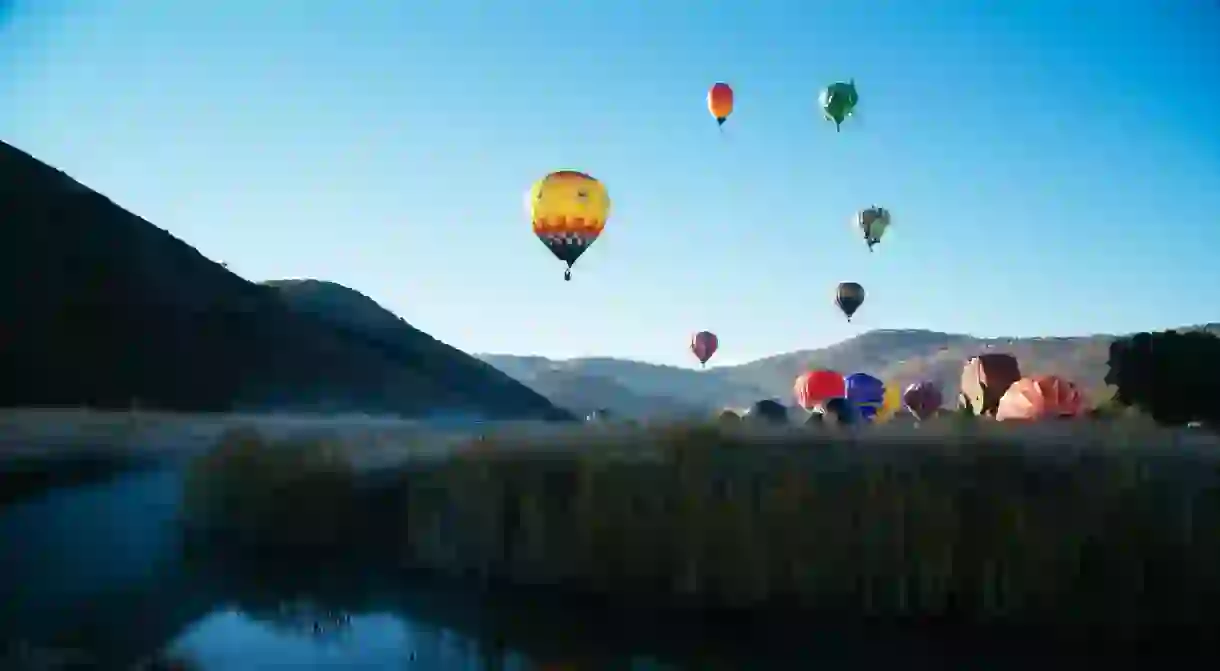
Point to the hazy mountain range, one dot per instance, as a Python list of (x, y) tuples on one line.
[(636, 389)]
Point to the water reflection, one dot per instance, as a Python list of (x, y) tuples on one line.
[(81, 567), (97, 576), (233, 640), (102, 571)]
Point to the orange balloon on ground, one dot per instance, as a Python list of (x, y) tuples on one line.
[(720, 101), (1041, 397)]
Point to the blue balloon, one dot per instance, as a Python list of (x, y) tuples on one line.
[(844, 411), (865, 392)]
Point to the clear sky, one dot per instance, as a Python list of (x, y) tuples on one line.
[(1053, 166)]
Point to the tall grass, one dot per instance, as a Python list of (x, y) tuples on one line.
[(294, 495), (1070, 526)]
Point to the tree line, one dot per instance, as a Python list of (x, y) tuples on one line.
[(1172, 377)]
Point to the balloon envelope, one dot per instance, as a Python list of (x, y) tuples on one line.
[(1040, 397), (985, 378), (767, 411), (849, 296), (568, 210), (922, 399), (728, 416), (873, 223), (838, 101), (817, 386), (703, 345), (866, 392), (720, 101), (891, 402), (841, 411)]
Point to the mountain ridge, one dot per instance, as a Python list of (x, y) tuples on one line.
[(900, 355)]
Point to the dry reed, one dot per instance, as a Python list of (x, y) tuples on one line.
[(1073, 525)]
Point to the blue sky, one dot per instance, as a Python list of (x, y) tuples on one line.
[(388, 145)]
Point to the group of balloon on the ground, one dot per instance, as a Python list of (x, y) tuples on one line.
[(991, 385), (569, 211)]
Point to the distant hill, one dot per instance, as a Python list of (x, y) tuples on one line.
[(582, 392), (903, 356), (100, 308), (626, 388)]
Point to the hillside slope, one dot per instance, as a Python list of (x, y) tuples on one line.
[(101, 308), (903, 356), (360, 316)]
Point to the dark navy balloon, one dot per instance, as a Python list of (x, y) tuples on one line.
[(767, 411)]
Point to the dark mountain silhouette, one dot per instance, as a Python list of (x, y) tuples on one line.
[(904, 356), (362, 318), (100, 308)]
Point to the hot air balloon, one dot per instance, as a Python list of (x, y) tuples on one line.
[(838, 101), (728, 417), (767, 411), (866, 393), (891, 402), (849, 297), (1040, 397), (872, 222), (814, 387), (985, 378), (569, 209), (922, 399), (703, 344), (841, 412), (720, 102)]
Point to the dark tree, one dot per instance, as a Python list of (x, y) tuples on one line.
[(1172, 377)]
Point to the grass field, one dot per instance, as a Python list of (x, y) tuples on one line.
[(1074, 526)]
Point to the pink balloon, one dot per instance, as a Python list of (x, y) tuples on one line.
[(704, 345), (922, 399)]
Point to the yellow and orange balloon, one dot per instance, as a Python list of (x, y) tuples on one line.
[(568, 210), (720, 101)]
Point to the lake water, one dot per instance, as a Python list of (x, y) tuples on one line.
[(100, 571)]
